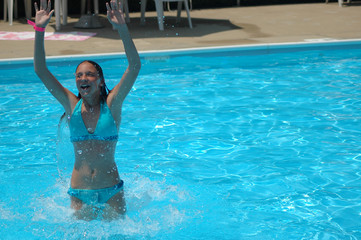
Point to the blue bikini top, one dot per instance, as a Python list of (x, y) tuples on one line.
[(105, 129)]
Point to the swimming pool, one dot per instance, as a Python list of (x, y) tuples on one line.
[(255, 142)]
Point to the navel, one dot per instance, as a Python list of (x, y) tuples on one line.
[(93, 174)]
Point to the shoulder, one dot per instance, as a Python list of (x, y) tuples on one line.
[(115, 109), (75, 103)]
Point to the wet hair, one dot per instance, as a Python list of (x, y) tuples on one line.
[(104, 91)]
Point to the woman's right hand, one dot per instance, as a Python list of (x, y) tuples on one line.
[(43, 15)]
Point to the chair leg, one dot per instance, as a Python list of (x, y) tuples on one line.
[(126, 10), (27, 4), (65, 11), (188, 14), (10, 9), (57, 14), (179, 11), (160, 13), (82, 7), (5, 10), (15, 8), (143, 5), (96, 7)]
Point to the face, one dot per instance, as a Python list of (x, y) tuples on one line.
[(87, 80)]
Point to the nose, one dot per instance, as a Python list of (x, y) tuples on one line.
[(83, 79)]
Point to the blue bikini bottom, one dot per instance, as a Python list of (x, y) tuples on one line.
[(96, 196)]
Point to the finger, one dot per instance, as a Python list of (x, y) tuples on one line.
[(108, 7), (120, 6), (114, 5), (42, 4), (36, 7), (51, 13)]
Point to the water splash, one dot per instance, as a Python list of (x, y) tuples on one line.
[(157, 209), (64, 150)]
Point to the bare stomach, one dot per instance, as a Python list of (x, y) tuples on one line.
[(94, 166)]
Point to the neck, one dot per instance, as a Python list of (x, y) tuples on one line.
[(91, 103)]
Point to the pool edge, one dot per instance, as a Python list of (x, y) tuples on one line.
[(265, 47)]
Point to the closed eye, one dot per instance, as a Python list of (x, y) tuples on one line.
[(87, 74)]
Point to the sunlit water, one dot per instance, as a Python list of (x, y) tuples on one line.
[(230, 144)]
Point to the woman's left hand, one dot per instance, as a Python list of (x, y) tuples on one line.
[(115, 14)]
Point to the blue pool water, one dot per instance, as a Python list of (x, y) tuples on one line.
[(259, 142)]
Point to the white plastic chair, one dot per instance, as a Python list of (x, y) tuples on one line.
[(11, 8), (61, 10), (340, 2), (96, 8), (160, 13)]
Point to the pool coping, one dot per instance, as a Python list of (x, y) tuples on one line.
[(268, 48)]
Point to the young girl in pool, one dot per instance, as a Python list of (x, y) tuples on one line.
[(95, 116)]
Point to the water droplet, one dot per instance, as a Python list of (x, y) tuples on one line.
[(79, 151), (90, 130)]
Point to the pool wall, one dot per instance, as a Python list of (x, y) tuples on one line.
[(254, 49)]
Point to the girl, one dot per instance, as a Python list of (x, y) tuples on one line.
[(95, 116)]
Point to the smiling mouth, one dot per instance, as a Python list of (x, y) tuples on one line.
[(84, 86)]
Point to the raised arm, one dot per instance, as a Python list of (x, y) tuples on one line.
[(121, 90), (63, 95)]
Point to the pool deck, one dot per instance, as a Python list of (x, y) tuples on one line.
[(211, 27)]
